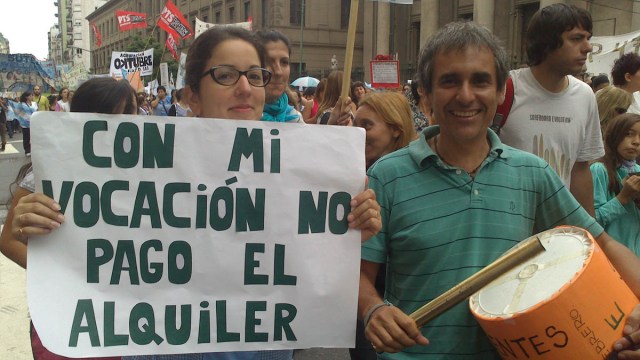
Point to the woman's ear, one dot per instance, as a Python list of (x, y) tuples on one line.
[(192, 99)]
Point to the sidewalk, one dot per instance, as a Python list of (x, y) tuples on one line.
[(14, 315)]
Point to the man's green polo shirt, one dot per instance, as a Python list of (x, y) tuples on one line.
[(440, 226)]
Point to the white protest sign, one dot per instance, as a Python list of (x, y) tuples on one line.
[(130, 62), (385, 73), (164, 74), (194, 235), (181, 71), (202, 26), (606, 49)]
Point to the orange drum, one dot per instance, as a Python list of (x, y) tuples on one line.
[(565, 303)]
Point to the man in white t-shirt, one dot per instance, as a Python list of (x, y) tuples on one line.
[(554, 115)]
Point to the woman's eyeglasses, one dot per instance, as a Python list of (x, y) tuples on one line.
[(229, 76)]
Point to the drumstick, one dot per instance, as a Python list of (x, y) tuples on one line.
[(524, 251)]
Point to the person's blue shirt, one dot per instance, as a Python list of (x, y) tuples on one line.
[(163, 107)]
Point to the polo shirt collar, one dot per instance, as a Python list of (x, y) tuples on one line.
[(420, 151)]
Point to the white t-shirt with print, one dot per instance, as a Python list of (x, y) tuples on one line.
[(562, 128)]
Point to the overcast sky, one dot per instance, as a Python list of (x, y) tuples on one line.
[(25, 23)]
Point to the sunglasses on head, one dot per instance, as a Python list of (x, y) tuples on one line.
[(620, 111)]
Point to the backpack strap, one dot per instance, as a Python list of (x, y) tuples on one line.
[(502, 113)]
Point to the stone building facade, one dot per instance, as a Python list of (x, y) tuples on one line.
[(382, 28)]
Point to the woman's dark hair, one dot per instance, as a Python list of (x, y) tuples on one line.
[(24, 96), (415, 94), (615, 133), (104, 95), (628, 63), (599, 80), (355, 85), (270, 35), (544, 33), (202, 48), (310, 91)]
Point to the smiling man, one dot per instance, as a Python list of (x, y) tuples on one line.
[(454, 200), (554, 115)]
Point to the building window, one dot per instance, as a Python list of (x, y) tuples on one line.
[(247, 10), (218, 16), (345, 10), (232, 14), (295, 12), (205, 18)]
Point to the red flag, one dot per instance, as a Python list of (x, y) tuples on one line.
[(172, 21), (128, 20), (173, 46), (97, 33)]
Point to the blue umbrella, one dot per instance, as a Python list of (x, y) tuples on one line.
[(305, 82)]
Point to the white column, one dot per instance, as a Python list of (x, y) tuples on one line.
[(545, 3), (635, 17), (483, 13), (368, 48), (383, 28), (429, 14)]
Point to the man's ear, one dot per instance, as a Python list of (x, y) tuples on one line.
[(193, 100), (627, 77)]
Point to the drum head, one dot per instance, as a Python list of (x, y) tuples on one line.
[(537, 280)]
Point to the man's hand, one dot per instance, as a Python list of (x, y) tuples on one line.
[(390, 330), (626, 346)]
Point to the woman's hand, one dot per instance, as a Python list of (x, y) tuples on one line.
[(342, 113), (35, 214), (630, 189), (365, 214)]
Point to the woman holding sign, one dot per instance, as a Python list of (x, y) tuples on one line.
[(225, 78), (33, 214)]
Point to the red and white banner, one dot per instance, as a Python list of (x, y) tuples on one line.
[(97, 33), (385, 73), (172, 21), (128, 20), (172, 45)]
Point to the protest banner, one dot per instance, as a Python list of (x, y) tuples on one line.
[(173, 22), (202, 26), (20, 72), (214, 235), (385, 73), (97, 34), (606, 49), (181, 71), (128, 20), (172, 46), (75, 76), (131, 62), (164, 74)]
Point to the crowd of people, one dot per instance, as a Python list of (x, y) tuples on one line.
[(438, 175), (15, 114)]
